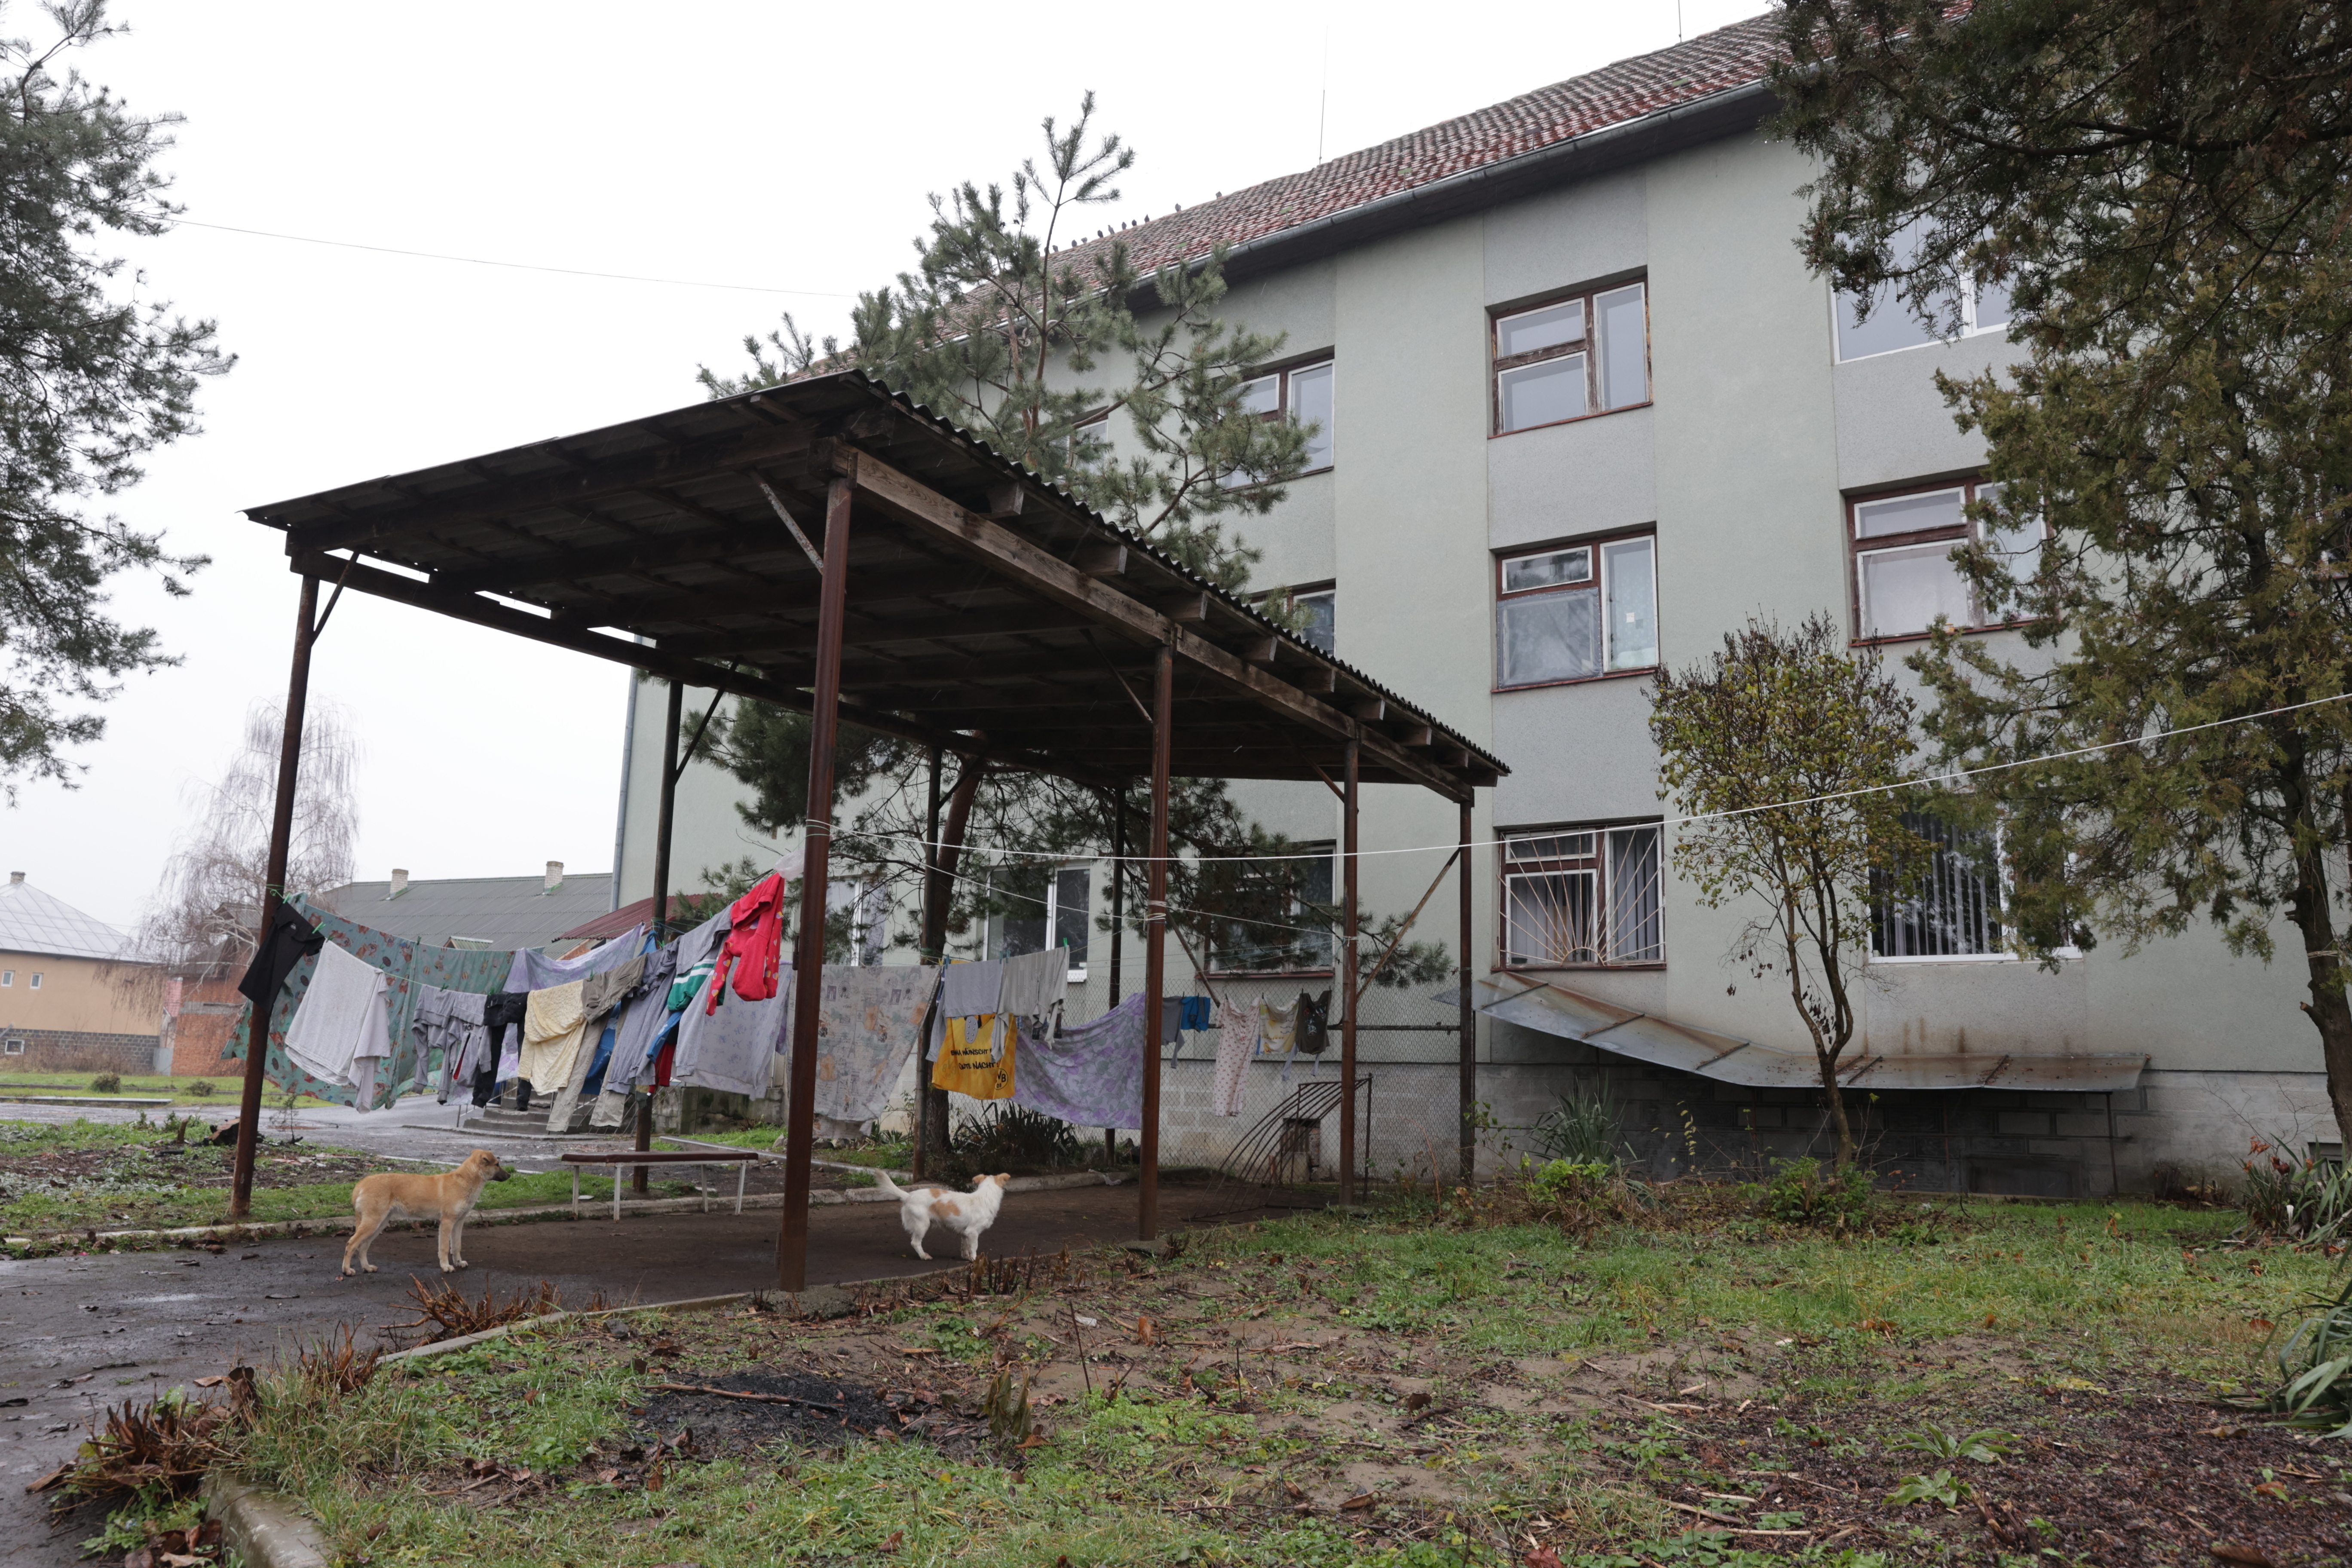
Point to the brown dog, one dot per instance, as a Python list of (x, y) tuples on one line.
[(379, 1199)]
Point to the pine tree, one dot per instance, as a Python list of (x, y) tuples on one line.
[(2166, 186), (88, 386)]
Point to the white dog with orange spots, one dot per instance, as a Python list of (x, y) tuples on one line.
[(966, 1213)]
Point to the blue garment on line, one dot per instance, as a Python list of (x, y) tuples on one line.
[(1195, 1014)]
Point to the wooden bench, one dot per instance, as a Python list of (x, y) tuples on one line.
[(621, 1159)]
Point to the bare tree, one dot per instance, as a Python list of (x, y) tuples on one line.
[(205, 911)]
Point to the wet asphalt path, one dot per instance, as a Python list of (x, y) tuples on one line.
[(79, 1333)]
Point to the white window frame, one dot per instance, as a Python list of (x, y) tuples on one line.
[(8, 977), (1053, 912), (1598, 581), (37, 980), (1906, 247), (1284, 405), (2002, 884), (1588, 853), (1950, 536), (1099, 428), (13, 1046)]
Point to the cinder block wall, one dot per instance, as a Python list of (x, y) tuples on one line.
[(71, 1050)]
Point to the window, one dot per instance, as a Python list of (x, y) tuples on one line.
[(1320, 603), (1302, 395), (1090, 444), (1583, 896), (15, 1047), (37, 980), (1281, 912), (1903, 575), (1040, 901), (1571, 358), (1575, 612), (1983, 308), (1955, 909), (8, 977)]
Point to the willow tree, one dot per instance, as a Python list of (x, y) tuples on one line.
[(1785, 752)]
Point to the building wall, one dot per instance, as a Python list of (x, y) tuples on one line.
[(76, 995), (75, 1051), (1754, 440)]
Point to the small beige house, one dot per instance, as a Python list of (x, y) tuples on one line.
[(63, 1005)]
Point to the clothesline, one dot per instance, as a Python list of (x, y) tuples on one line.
[(1924, 781)]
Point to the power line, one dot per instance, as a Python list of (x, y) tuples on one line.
[(511, 266), (1678, 821)]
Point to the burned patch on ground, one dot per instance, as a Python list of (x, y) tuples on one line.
[(738, 1413)]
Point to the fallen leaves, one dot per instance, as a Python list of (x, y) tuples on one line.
[(2230, 1552), (1358, 1503)]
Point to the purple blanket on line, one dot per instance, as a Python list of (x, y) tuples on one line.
[(1092, 1076)]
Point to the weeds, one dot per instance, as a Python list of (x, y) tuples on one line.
[(163, 1445), (336, 1364), (2308, 1201), (107, 1083), (1985, 1447), (445, 1313), (1802, 1192), (201, 1089), (1008, 1137), (2316, 1366), (1582, 1129)]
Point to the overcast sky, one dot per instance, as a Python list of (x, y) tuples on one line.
[(788, 148)]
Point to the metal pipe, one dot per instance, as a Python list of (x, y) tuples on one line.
[(1347, 812), (1155, 940), (273, 894), (932, 950), (1468, 1091), (665, 820), (1118, 920), (808, 959)]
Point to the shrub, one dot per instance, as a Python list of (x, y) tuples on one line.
[(1007, 1137), (1569, 1179), (2316, 1366), (201, 1089), (107, 1083), (1582, 1128), (1802, 1192), (2309, 1201)]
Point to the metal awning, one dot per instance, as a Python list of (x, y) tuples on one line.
[(1554, 1009), (988, 612)]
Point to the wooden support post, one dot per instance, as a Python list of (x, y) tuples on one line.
[(1348, 983), (1155, 941), (1468, 1042), (932, 950), (808, 959), (1118, 921), (665, 817), (273, 893)]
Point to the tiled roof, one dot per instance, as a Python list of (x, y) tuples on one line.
[(504, 913), (1711, 63), (33, 921)]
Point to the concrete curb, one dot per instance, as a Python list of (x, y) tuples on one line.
[(265, 1529)]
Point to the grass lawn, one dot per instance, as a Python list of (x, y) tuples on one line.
[(221, 1098), (91, 1175), (1714, 1389)]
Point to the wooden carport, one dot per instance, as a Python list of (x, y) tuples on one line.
[(829, 547)]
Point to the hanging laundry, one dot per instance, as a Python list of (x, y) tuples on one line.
[(1314, 1019), (1090, 1075), (551, 1030), (291, 940), (641, 1019), (976, 1061), (1277, 1029), (534, 970), (969, 990), (503, 1012), (448, 1028), (1197, 1014), (754, 948), (599, 995), (340, 1022), (1236, 1035), (866, 1024), (1034, 983), (733, 1049), (697, 954)]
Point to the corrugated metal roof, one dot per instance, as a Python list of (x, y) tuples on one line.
[(34, 921), (501, 912), (1574, 1016)]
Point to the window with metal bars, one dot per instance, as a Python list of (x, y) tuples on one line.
[(1955, 909), (1579, 897)]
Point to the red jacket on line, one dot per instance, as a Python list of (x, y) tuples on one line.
[(755, 936)]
